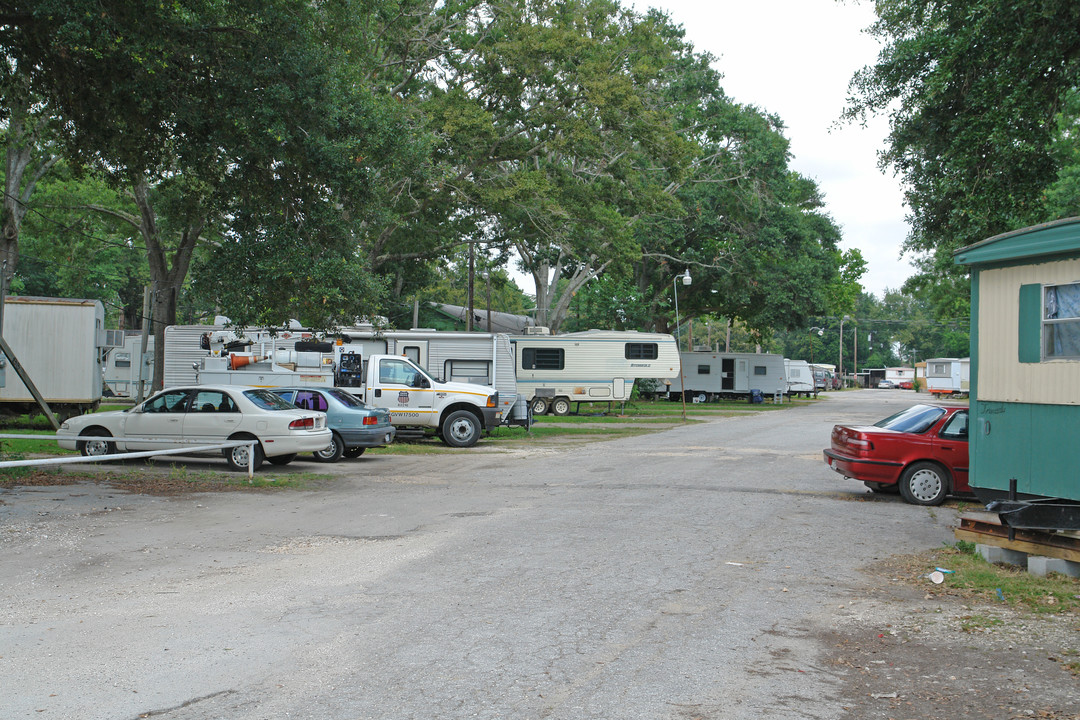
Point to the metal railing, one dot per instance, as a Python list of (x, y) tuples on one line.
[(194, 447)]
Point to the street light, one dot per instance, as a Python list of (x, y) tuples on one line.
[(840, 343), (686, 280)]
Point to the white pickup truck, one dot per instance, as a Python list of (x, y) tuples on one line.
[(457, 412)]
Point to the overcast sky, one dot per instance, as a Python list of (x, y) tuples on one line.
[(794, 58)]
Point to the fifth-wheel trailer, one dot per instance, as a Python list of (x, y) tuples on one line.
[(554, 371)]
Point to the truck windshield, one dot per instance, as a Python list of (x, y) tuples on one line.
[(916, 419)]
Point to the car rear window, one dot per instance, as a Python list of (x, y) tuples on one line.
[(915, 419), (268, 400), (345, 398)]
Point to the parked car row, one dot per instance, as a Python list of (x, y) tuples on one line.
[(285, 422)]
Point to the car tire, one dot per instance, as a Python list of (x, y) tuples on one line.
[(560, 407), (95, 447), (354, 452), (237, 457), (924, 483), (540, 406), (883, 488), (460, 429), (281, 459), (332, 452)]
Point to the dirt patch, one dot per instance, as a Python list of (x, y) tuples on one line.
[(907, 651), (143, 482)]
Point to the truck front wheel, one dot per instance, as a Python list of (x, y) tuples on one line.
[(461, 429)]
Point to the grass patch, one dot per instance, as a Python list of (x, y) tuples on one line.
[(17, 449), (973, 578)]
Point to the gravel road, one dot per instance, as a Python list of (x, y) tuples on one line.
[(717, 570)]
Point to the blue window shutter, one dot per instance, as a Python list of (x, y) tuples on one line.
[(1030, 326)]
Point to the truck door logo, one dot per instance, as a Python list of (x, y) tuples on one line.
[(403, 398)]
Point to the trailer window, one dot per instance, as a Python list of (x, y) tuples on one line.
[(642, 351), (123, 360), (470, 371), (703, 369), (760, 370), (1061, 321), (542, 359)]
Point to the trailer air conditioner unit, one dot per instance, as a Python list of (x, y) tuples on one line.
[(537, 330)]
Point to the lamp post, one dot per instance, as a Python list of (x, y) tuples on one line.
[(840, 343), (686, 280)]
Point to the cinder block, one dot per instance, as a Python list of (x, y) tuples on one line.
[(1039, 565), (995, 554)]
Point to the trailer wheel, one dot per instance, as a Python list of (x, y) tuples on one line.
[(561, 406), (237, 457), (354, 452), (460, 429), (95, 447), (924, 483), (332, 452), (540, 406)]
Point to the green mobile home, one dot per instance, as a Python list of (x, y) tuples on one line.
[(1025, 362)]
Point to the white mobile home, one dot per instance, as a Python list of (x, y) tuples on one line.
[(711, 376), (554, 371), (948, 376), (799, 376)]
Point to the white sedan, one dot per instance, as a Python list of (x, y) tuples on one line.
[(203, 415)]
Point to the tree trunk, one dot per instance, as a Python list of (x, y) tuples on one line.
[(166, 278)]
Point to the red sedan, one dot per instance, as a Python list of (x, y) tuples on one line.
[(922, 452)]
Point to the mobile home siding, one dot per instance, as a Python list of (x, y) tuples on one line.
[(1005, 373)]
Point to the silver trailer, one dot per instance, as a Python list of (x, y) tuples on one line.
[(710, 376), (554, 371), (59, 342)]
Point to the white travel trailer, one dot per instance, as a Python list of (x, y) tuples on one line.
[(59, 342), (711, 376), (554, 371), (948, 376), (484, 359), (800, 377)]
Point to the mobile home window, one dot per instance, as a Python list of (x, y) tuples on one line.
[(703, 369), (759, 370), (1061, 321), (641, 351), (542, 359)]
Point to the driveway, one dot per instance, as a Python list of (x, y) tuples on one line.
[(717, 570)]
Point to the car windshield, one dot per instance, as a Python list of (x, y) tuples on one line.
[(915, 419), (268, 400), (346, 399)]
